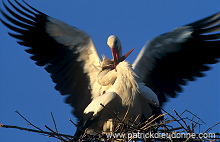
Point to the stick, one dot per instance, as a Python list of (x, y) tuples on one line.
[(196, 116), (55, 126), (28, 121), (174, 119), (36, 131), (209, 129)]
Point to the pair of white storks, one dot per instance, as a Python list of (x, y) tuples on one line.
[(163, 65)]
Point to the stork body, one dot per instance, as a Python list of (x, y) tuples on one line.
[(94, 86), (122, 94)]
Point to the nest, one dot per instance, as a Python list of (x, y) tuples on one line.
[(183, 126)]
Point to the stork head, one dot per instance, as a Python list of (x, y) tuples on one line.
[(115, 45)]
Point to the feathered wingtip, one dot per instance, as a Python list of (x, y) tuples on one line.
[(206, 21), (207, 26)]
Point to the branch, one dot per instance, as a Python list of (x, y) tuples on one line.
[(28, 121), (36, 131)]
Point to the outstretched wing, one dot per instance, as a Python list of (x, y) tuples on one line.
[(66, 52), (170, 60)]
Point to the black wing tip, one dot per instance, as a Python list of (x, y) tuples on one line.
[(34, 9), (25, 7), (19, 18), (204, 20), (207, 28), (217, 14)]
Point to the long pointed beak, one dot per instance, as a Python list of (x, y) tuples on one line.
[(126, 55), (116, 58), (115, 55)]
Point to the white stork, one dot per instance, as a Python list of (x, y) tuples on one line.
[(164, 64)]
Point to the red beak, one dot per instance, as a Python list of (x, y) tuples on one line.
[(116, 58), (126, 55)]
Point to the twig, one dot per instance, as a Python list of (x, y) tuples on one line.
[(183, 112), (178, 116), (27, 120), (73, 123), (196, 116), (161, 115), (126, 114), (135, 120), (197, 123), (55, 127), (142, 123), (209, 129), (174, 119), (36, 131), (54, 122), (49, 129), (58, 137)]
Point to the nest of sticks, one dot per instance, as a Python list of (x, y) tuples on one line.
[(183, 126)]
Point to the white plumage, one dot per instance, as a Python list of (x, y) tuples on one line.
[(164, 64)]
